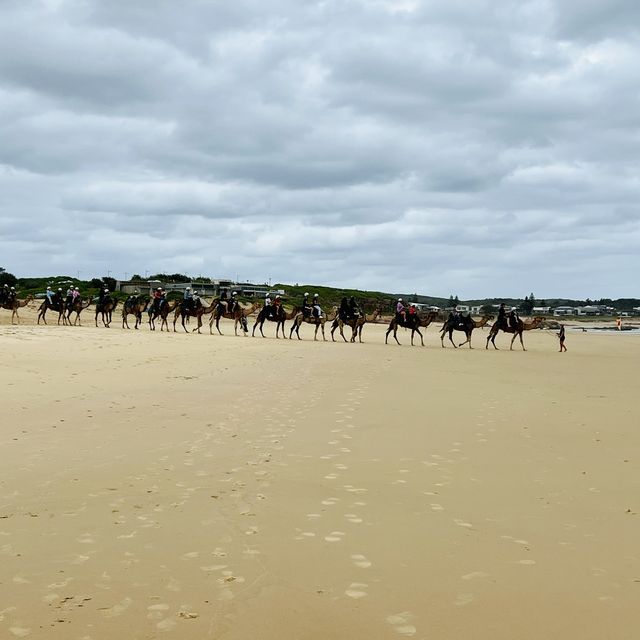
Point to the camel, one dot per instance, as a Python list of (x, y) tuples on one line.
[(14, 305), (239, 316), (466, 324), (317, 322), (78, 306), (106, 309), (280, 317), (137, 310), (165, 310), (517, 332), (183, 313), (356, 325), (412, 322), (57, 306)]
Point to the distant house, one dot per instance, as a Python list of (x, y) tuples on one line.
[(565, 311), (541, 311), (212, 288)]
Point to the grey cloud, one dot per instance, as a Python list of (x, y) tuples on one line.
[(474, 147)]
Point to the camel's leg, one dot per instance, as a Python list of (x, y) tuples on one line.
[(253, 331), (218, 325), (341, 325), (451, 339), (125, 324), (442, 338), (262, 332), (468, 340), (421, 336)]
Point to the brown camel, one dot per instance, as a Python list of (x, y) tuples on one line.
[(183, 312), (14, 305), (78, 307), (106, 309), (279, 317), (521, 327), (238, 315), (163, 314), (56, 305), (136, 309), (356, 325), (413, 322), (317, 322), (466, 324)]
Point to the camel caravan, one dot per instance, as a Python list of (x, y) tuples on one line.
[(67, 310)]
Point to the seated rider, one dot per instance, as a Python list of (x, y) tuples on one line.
[(233, 302), (344, 311), (412, 313), (502, 316), (187, 299), (4, 294), (306, 306), (12, 295), (401, 313), (75, 294), (197, 303), (354, 311), (513, 319), (68, 301), (277, 305), (317, 311), (50, 296), (458, 320), (57, 298), (268, 310), (158, 299), (132, 300)]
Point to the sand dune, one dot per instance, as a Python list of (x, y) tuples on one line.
[(185, 486)]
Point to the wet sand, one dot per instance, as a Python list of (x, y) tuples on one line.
[(174, 486)]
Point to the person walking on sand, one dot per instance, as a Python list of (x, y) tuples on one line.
[(619, 324), (561, 337)]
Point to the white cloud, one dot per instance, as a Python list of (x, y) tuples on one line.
[(480, 148)]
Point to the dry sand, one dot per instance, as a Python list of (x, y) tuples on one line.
[(196, 487)]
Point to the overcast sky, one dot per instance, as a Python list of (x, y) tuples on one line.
[(469, 147)]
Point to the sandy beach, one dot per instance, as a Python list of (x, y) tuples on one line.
[(195, 486)]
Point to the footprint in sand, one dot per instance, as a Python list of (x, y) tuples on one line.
[(464, 599), (335, 536), (355, 590), (117, 609), (20, 632), (360, 561), (401, 623)]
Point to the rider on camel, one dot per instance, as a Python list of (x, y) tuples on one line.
[(344, 312), (233, 302), (502, 316), (268, 309), (317, 310), (514, 319), (354, 310), (401, 313), (158, 299), (306, 306)]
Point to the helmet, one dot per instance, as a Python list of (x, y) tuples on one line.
[(188, 289), (399, 299), (266, 295), (76, 289), (235, 293), (106, 289), (13, 288), (159, 289), (413, 304), (315, 295), (306, 295), (277, 297), (59, 289), (48, 288)]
